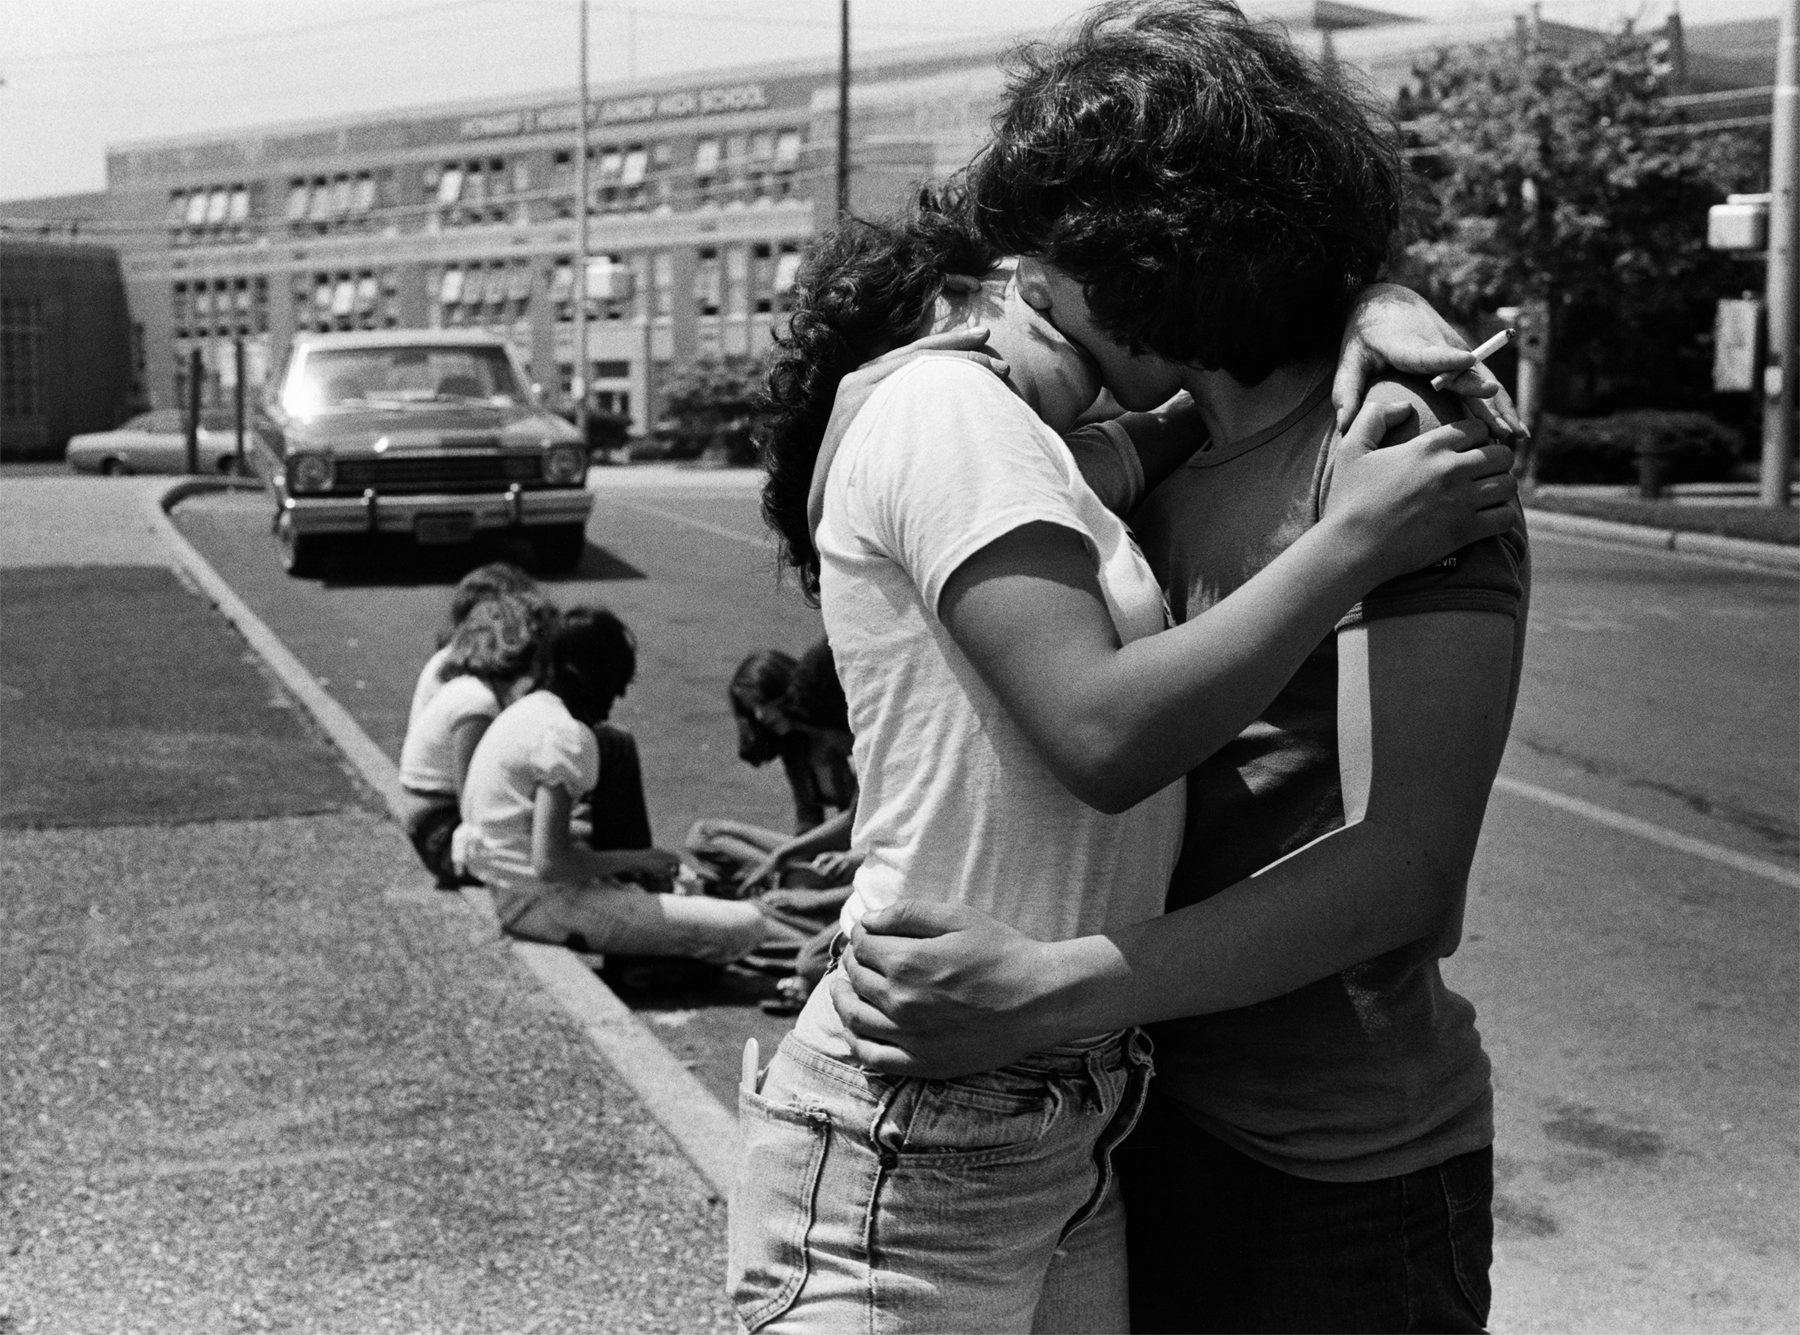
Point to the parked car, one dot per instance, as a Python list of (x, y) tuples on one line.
[(431, 433), (156, 442)]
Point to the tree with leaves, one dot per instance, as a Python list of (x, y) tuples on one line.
[(708, 406), (1564, 177)]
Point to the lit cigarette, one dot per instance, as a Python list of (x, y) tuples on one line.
[(1488, 349)]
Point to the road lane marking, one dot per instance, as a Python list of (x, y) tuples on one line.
[(676, 517), (1656, 834)]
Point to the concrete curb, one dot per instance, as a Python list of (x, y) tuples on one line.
[(1764, 555), (701, 1127)]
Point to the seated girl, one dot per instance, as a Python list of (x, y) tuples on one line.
[(481, 671), (537, 758), (795, 711), (476, 587)]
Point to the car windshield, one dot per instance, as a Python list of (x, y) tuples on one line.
[(358, 377)]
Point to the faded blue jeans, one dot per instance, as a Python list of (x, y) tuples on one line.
[(881, 1205)]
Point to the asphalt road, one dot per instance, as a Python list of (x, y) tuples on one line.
[(1631, 935)]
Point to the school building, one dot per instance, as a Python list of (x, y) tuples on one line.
[(703, 192)]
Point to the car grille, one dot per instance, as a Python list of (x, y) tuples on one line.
[(398, 474)]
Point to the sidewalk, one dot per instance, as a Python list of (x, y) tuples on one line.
[(262, 1076)]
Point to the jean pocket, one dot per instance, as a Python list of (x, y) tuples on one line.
[(1468, 1185), (984, 1116), (772, 1205)]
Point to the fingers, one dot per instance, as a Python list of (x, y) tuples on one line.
[(1489, 458), (965, 339), (961, 282), (860, 1016), (913, 917), (1496, 492), (1373, 422), (1351, 380)]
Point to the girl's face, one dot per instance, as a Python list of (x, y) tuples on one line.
[(1058, 379)]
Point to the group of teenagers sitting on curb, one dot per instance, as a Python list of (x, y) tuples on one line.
[(1178, 620), (511, 777)]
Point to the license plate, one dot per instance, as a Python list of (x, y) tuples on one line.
[(444, 528)]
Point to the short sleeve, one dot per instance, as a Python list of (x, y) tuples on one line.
[(1487, 576), (566, 756), (1109, 464), (951, 460)]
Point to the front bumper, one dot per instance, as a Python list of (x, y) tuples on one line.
[(373, 512)]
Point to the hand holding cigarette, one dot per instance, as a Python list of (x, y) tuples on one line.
[(1485, 350)]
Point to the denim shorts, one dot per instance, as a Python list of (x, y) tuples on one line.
[(875, 1203)]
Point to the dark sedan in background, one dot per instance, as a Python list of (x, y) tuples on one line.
[(430, 433)]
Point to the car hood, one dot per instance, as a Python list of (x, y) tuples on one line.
[(429, 427)]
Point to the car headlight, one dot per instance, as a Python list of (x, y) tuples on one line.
[(310, 472), (565, 464)]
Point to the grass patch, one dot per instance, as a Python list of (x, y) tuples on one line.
[(1752, 522)]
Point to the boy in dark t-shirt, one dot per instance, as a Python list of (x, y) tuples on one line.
[(1197, 204)]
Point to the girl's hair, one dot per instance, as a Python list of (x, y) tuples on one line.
[(761, 679), (482, 583), (815, 698), (497, 639), (866, 288), (587, 657)]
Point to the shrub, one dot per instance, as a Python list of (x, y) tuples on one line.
[(1695, 447), (708, 408)]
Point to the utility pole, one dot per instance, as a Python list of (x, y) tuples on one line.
[(1782, 374), (237, 352), (578, 382), (195, 371), (843, 126)]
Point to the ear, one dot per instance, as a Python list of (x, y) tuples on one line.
[(1034, 283)]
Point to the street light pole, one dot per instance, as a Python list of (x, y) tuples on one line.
[(843, 123), (1783, 296), (578, 381)]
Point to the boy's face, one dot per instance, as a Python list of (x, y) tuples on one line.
[(1139, 381)]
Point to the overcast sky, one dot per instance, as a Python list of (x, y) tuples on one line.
[(82, 74)]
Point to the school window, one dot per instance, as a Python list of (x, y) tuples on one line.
[(709, 281), (21, 337), (737, 281), (762, 277), (238, 210), (341, 191), (362, 194), (299, 195), (177, 207), (787, 148), (218, 204), (474, 190), (451, 289), (662, 282), (449, 185), (787, 269), (320, 209), (196, 209), (706, 157), (637, 163)]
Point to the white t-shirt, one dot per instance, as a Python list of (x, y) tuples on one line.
[(428, 685), (428, 755), (535, 742), (956, 803)]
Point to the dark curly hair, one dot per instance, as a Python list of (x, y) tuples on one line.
[(865, 288), (497, 641), (587, 657), (1220, 197)]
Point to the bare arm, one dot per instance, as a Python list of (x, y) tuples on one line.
[(556, 857), (1115, 722), (1422, 723), (463, 740), (828, 836)]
